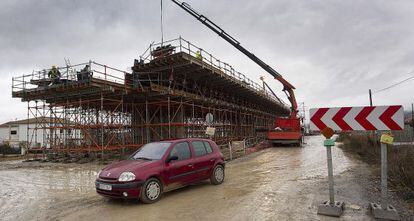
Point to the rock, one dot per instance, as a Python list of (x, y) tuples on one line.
[(355, 207)]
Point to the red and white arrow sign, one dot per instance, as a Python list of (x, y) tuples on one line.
[(358, 118)]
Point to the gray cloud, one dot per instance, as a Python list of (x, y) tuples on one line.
[(333, 51)]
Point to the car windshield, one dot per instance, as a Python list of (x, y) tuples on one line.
[(151, 151)]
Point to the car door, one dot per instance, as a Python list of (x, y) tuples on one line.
[(203, 159), (180, 172)]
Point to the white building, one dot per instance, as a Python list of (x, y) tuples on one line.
[(15, 132), (36, 130)]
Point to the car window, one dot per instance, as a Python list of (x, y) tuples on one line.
[(208, 147), (181, 150), (151, 151), (199, 148)]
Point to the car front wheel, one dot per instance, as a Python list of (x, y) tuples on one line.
[(217, 177), (151, 191)]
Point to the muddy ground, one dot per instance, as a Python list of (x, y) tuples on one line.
[(274, 184)]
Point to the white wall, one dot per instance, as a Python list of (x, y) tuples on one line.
[(6, 136), (36, 137)]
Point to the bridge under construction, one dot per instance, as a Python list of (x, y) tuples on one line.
[(174, 90)]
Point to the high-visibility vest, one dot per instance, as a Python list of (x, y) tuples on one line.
[(198, 55), (53, 73)]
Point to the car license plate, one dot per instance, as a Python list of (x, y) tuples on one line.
[(105, 187)]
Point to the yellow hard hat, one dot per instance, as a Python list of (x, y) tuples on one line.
[(53, 66)]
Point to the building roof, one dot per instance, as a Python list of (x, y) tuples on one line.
[(32, 121)]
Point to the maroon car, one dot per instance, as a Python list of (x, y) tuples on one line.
[(162, 166)]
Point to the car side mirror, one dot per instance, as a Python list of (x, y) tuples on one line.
[(171, 158)]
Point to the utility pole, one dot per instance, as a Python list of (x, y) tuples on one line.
[(304, 113), (373, 133), (370, 97), (303, 122), (412, 119)]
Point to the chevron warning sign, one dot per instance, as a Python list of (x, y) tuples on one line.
[(357, 118)]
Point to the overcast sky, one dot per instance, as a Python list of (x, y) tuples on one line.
[(332, 51)]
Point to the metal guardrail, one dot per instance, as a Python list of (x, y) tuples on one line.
[(403, 143), (101, 71), (248, 142), (182, 45), (252, 141)]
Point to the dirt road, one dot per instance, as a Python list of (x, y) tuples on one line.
[(274, 184)]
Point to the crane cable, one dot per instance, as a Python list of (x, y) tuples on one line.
[(162, 31)]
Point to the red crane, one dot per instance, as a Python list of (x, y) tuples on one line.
[(286, 130)]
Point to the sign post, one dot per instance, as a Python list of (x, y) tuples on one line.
[(370, 118), (210, 131), (384, 175), (384, 211), (331, 207), (328, 143)]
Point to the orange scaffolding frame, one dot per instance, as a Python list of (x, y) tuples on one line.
[(163, 98)]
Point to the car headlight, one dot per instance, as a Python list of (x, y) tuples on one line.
[(126, 176)]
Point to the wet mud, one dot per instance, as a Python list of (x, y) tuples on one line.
[(273, 184)]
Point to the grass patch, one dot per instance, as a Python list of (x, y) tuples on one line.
[(400, 159)]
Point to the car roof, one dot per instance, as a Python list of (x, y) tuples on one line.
[(185, 139)]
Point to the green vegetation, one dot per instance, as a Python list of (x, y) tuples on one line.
[(400, 159), (6, 149)]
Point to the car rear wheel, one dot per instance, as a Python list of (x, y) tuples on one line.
[(217, 177), (151, 191)]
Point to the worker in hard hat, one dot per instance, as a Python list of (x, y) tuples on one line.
[(198, 54), (54, 74)]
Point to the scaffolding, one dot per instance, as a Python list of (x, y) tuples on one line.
[(171, 88)]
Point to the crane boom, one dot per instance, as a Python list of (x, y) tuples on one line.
[(212, 26)]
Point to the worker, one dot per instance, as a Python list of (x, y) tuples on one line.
[(198, 54), (54, 74), (85, 73)]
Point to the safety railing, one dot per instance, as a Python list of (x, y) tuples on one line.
[(68, 74), (182, 45)]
